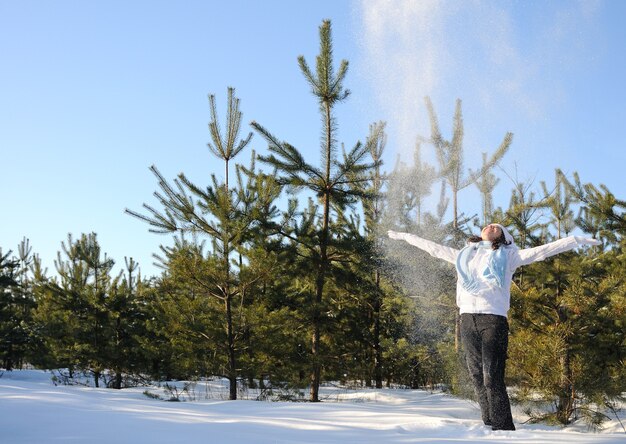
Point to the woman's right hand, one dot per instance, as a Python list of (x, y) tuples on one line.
[(395, 235)]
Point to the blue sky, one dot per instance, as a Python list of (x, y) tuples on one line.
[(93, 93)]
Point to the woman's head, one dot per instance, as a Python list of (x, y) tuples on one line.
[(491, 232), (494, 233)]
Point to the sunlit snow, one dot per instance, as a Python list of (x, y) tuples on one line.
[(34, 410)]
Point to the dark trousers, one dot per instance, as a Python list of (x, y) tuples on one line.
[(485, 339)]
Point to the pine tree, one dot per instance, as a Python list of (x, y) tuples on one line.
[(221, 213), (567, 344), (408, 187), (559, 201), (486, 184), (373, 211), (98, 267), (71, 318), (421, 178), (190, 318), (450, 155), (85, 319), (271, 332), (523, 213), (10, 315), (451, 164), (428, 283), (330, 183), (126, 320), (599, 203), (357, 286)]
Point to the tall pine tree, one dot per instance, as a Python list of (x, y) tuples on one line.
[(330, 182), (223, 213)]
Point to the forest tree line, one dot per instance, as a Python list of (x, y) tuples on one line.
[(294, 295)]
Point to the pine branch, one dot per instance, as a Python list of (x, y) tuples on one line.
[(304, 67), (226, 148), (218, 149), (487, 166), (289, 159), (457, 129)]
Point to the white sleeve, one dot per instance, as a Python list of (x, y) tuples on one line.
[(530, 255), (448, 254)]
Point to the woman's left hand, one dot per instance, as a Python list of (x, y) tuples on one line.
[(587, 241)]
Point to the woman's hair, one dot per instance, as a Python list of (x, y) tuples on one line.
[(495, 244)]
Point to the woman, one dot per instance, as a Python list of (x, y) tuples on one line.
[(485, 270)]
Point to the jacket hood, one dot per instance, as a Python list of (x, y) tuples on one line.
[(507, 236)]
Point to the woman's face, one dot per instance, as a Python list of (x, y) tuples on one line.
[(491, 232)]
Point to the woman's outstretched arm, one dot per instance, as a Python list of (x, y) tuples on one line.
[(448, 254), (530, 255)]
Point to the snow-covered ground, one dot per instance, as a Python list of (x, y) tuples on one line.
[(34, 410)]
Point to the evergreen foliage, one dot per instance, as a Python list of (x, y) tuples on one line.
[(14, 304), (225, 215), (568, 342), (567, 345), (331, 183), (86, 319)]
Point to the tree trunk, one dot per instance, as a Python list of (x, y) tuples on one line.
[(419, 214), (8, 361), (457, 331), (457, 317), (565, 408), (315, 343), (232, 363), (321, 273), (378, 367), (232, 368), (118, 373), (455, 220)]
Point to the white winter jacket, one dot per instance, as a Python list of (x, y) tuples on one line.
[(490, 298)]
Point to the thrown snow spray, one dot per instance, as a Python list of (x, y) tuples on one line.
[(413, 50), (504, 64), (504, 60)]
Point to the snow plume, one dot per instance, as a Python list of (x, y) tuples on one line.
[(512, 66), (402, 42), (506, 62)]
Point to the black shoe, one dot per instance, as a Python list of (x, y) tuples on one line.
[(507, 427)]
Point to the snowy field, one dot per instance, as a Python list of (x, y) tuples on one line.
[(34, 410)]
